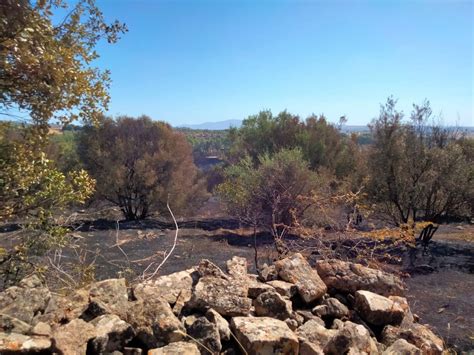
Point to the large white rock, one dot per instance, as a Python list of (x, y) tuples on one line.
[(265, 336)]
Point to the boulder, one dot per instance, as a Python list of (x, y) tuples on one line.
[(296, 270), (112, 334), (178, 348), (207, 335), (353, 339), (264, 335), (377, 309), (417, 334), (154, 322), (227, 297), (408, 318), (284, 288), (24, 302), (221, 323), (272, 304), (331, 308), (72, 338), (314, 335), (168, 287), (349, 277), (402, 347)]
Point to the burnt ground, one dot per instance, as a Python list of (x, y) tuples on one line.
[(440, 287)]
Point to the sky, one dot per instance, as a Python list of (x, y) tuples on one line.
[(189, 62)]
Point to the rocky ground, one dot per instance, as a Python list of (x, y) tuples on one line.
[(335, 307), (440, 292)]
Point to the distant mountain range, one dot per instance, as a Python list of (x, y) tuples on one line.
[(221, 125), (214, 125)]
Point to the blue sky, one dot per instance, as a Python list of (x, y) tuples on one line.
[(199, 61)]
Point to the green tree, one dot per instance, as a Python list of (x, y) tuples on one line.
[(139, 164), (320, 142), (269, 194), (418, 170)]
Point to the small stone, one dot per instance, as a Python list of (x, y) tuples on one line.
[(272, 304), (41, 328), (256, 288), (207, 334), (268, 273), (220, 322), (237, 267), (307, 316), (331, 308), (284, 288)]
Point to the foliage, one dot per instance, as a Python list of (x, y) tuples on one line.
[(33, 189), (207, 143), (321, 143), (140, 164), (45, 64), (62, 149), (269, 194), (46, 54), (418, 170)]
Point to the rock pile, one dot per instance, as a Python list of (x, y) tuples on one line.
[(291, 308)]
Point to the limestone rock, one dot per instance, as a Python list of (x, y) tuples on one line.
[(41, 328), (25, 301), (353, 339), (154, 322), (272, 304), (349, 277), (256, 288), (221, 323), (168, 287), (107, 296), (307, 316), (265, 335), (206, 333), (284, 288), (72, 338), (178, 348), (377, 309), (417, 334), (268, 273), (208, 268), (9, 324), (402, 347), (227, 297), (237, 267), (331, 308), (296, 270), (313, 333), (112, 334), (13, 343)]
